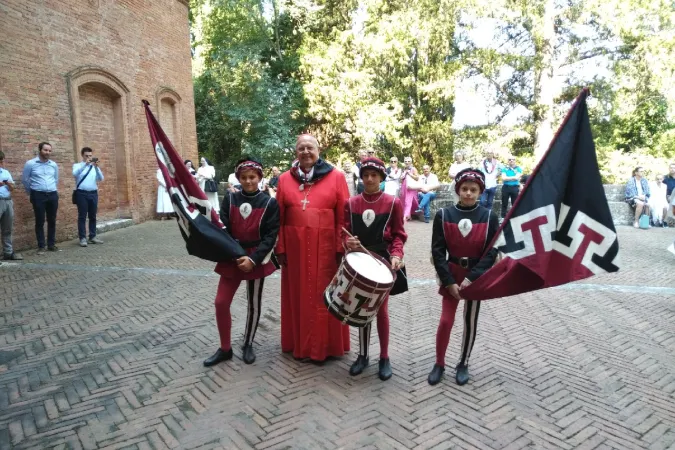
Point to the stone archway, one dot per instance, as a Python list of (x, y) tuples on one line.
[(99, 108), (169, 115)]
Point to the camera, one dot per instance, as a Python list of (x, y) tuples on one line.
[(94, 159)]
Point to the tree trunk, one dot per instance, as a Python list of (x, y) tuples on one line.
[(544, 89)]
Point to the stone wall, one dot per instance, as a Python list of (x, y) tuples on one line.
[(73, 73)]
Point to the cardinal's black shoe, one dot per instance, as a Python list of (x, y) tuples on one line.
[(218, 356), (384, 371), (358, 366), (436, 374), (462, 374), (248, 354)]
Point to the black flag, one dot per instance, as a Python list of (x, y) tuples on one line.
[(205, 235), (560, 228)]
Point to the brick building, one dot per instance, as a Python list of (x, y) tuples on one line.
[(73, 73)]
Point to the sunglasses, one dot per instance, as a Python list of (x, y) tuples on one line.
[(393, 160)]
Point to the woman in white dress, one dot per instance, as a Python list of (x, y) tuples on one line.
[(207, 172), (658, 201), (392, 183), (455, 168), (164, 205)]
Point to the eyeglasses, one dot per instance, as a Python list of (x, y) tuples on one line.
[(393, 160)]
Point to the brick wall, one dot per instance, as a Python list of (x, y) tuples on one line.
[(142, 47)]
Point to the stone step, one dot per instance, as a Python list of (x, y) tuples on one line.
[(115, 224)]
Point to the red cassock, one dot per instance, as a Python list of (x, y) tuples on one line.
[(310, 238)]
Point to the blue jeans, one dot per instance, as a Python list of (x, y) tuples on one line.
[(488, 197), (425, 200), (87, 205), (45, 204)]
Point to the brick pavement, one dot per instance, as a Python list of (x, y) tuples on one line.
[(102, 347)]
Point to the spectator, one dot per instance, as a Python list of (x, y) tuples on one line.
[(233, 183), (409, 188), (455, 168), (350, 177), (669, 180), (428, 186), (363, 154), (392, 183), (510, 181), (87, 175), (206, 175), (658, 202), (164, 206), (40, 179), (190, 167), (273, 182), (637, 194), (7, 212), (491, 168)]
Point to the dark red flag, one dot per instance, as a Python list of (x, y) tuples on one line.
[(560, 228), (205, 235)]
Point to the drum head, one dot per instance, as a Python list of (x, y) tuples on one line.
[(369, 267)]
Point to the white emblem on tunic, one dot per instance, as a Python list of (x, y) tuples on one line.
[(368, 217), (245, 210), (465, 226)]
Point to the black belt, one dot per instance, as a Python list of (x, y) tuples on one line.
[(249, 244), (464, 262), (82, 190)]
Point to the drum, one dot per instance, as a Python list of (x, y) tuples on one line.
[(358, 289)]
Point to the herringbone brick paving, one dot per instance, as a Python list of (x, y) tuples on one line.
[(102, 348)]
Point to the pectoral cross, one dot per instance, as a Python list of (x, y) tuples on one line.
[(304, 203)]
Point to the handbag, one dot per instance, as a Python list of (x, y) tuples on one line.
[(211, 186), (643, 222), (74, 197)]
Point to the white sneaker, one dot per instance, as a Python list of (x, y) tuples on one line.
[(83, 242), (95, 240)]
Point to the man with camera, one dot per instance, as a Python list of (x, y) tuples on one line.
[(87, 174)]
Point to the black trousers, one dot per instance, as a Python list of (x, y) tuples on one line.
[(87, 205), (508, 193), (45, 204)]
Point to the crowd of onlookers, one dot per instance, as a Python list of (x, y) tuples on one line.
[(653, 202)]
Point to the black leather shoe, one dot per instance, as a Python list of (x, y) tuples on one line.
[(436, 374), (462, 374), (218, 356), (384, 371), (358, 366), (248, 354)]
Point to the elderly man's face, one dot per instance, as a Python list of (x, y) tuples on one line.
[(275, 171), (307, 151), (426, 170), (347, 166), (363, 155), (408, 161)]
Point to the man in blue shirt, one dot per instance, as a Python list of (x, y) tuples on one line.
[(40, 177), (6, 211), (87, 174), (669, 180), (510, 184)]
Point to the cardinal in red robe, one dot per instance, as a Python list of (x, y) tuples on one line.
[(311, 199)]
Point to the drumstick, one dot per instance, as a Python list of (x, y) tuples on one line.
[(360, 244)]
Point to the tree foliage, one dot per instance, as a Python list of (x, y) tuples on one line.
[(385, 74)]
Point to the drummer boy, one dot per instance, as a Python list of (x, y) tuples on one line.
[(375, 220), (252, 217)]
